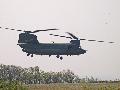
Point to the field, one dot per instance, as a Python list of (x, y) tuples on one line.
[(81, 86), (18, 78)]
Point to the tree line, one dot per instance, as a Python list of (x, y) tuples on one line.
[(34, 75)]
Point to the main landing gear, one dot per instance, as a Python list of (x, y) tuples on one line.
[(61, 58), (58, 56), (29, 55)]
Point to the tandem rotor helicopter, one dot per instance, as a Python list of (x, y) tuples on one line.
[(29, 44)]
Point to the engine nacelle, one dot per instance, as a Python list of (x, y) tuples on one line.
[(76, 42)]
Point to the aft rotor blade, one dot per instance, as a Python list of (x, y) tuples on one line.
[(91, 40), (62, 36), (50, 34), (82, 39), (100, 41), (12, 29), (54, 34), (96, 40), (69, 37), (6, 28), (111, 42), (19, 30), (72, 35)]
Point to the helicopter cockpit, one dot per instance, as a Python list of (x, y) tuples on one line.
[(27, 38)]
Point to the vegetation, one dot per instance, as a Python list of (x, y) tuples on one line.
[(34, 75), (14, 85), (18, 78), (80, 86)]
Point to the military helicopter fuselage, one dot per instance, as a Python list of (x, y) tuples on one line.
[(29, 44)]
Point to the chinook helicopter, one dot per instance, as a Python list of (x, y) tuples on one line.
[(29, 44)]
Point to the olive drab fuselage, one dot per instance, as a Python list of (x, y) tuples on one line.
[(29, 44)]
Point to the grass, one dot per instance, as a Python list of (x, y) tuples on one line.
[(6, 85), (81, 86)]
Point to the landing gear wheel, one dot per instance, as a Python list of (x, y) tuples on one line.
[(23, 50), (28, 54), (32, 55), (61, 58), (57, 56)]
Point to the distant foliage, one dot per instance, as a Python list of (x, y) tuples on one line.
[(34, 75), (11, 85)]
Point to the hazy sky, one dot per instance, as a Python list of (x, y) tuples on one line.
[(91, 19)]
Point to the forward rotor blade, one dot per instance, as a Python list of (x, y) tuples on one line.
[(11, 29), (38, 31), (52, 29), (111, 42), (43, 30), (55, 35)]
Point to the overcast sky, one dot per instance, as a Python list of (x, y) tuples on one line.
[(90, 19)]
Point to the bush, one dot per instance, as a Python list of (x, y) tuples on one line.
[(11, 85)]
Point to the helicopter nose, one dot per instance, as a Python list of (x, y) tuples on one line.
[(82, 51), (85, 51)]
